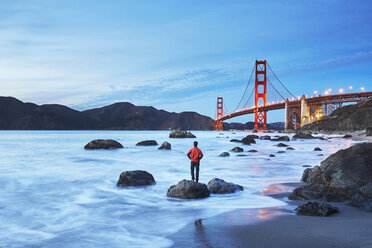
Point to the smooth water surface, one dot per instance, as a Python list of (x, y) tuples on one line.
[(56, 194)]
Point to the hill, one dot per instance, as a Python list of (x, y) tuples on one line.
[(17, 115)]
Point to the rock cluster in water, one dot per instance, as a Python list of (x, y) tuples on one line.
[(187, 189), (180, 133), (103, 144), (344, 176)]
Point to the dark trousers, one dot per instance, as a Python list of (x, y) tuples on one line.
[(196, 166)]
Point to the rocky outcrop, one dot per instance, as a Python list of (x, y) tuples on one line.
[(300, 134), (224, 154), (179, 133), (165, 146), (147, 143), (347, 118), (187, 189), (281, 138), (316, 209), (219, 186), (343, 176), (135, 178), (103, 144), (237, 149)]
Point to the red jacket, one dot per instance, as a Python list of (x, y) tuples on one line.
[(195, 154)]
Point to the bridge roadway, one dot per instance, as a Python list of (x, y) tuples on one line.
[(317, 100)]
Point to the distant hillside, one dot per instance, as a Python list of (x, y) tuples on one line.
[(17, 115), (348, 118)]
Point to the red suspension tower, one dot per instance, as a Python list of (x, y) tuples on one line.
[(260, 95), (219, 123)]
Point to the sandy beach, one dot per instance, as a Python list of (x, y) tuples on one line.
[(279, 227)]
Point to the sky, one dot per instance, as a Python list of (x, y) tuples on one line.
[(179, 55)]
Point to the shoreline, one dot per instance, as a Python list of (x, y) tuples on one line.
[(278, 226)]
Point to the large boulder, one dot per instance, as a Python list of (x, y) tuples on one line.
[(219, 186), (103, 144), (135, 178), (165, 146), (343, 176), (300, 134), (248, 140), (147, 143), (180, 133), (187, 189), (316, 209)]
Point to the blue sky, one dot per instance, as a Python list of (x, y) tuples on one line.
[(178, 55)]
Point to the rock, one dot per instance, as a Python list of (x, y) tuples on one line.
[(306, 165), (290, 148), (252, 150), (340, 177), (363, 198), (265, 137), (220, 134), (271, 155), (103, 144), (165, 146), (135, 178), (320, 155), (254, 131), (346, 136), (317, 149), (281, 151), (281, 138), (242, 155), (219, 186), (235, 140), (237, 149), (224, 154), (303, 135), (187, 189), (180, 133), (281, 145), (316, 209), (369, 131), (248, 140), (253, 136), (147, 143)]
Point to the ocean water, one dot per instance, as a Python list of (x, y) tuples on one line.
[(56, 194)]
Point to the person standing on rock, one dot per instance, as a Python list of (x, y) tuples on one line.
[(195, 154)]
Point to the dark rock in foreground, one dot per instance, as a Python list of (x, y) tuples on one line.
[(317, 149), (224, 154), (165, 146), (219, 186), (237, 149), (369, 131), (271, 155), (316, 209), (147, 143), (179, 133), (343, 176), (187, 189), (103, 144), (135, 178)]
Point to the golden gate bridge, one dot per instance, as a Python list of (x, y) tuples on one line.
[(265, 96)]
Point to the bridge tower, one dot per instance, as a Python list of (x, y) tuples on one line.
[(260, 95), (219, 123)]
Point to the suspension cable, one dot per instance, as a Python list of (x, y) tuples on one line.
[(275, 88), (279, 81), (227, 110), (246, 88), (245, 105)]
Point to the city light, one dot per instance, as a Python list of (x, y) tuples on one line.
[(326, 92), (341, 91), (350, 87), (329, 89), (362, 88), (315, 92)]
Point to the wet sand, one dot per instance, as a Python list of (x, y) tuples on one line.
[(279, 227)]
